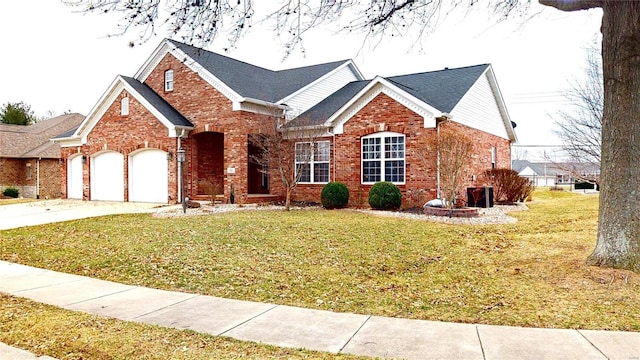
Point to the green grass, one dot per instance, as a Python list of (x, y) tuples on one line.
[(532, 273)]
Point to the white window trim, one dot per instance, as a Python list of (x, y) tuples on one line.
[(168, 82), (493, 157), (382, 136), (124, 106), (312, 162)]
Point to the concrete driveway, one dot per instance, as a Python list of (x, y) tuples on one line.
[(50, 211)]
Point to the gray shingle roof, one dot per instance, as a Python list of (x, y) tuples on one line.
[(158, 102), (441, 89), (253, 81), (322, 111), (66, 134)]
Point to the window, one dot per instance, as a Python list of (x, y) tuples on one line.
[(29, 171), (124, 106), (312, 161), (383, 158), (168, 80), (493, 157)]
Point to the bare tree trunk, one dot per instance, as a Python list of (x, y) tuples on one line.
[(287, 200), (618, 243)]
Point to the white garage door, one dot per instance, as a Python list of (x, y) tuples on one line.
[(148, 177), (107, 176), (74, 178)]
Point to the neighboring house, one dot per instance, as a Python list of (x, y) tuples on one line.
[(553, 174), (29, 161), (209, 105)]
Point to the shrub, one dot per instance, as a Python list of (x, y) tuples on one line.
[(508, 186), (385, 196), (334, 195), (11, 192)]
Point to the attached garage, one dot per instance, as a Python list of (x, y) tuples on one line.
[(74, 177), (107, 176), (148, 176)]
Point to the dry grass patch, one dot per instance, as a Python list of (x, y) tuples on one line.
[(527, 274), (10, 201), (47, 330)]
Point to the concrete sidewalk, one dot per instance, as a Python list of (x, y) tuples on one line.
[(50, 211), (312, 329)]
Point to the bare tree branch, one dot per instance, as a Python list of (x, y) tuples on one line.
[(581, 128), (200, 22)]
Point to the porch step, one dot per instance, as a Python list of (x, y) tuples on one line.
[(260, 198), (249, 199)]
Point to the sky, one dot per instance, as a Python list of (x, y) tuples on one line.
[(56, 59)]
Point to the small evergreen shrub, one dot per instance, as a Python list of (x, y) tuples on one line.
[(10, 192), (334, 195), (385, 196)]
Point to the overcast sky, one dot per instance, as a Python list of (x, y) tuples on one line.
[(57, 60)]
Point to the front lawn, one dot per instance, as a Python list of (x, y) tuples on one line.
[(11, 201), (65, 334), (527, 274)]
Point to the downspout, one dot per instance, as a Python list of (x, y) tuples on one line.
[(333, 143), (438, 159), (38, 178), (444, 117), (180, 165)]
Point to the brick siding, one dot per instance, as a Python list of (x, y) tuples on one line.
[(220, 141), (14, 173), (385, 114)]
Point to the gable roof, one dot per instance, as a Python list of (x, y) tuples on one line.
[(431, 94), (553, 169), (32, 141), (153, 102), (318, 114), (251, 81), (442, 89), (157, 102)]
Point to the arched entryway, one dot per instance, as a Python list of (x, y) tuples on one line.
[(209, 166), (257, 174)]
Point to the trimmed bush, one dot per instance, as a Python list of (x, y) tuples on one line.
[(334, 195), (385, 196), (508, 186), (10, 192)]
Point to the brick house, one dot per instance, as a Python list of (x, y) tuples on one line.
[(29, 161), (209, 105)]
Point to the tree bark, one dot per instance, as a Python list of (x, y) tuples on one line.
[(573, 5), (618, 242)]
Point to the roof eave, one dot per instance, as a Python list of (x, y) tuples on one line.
[(166, 47), (501, 105), (67, 141), (427, 111), (117, 86), (346, 63)]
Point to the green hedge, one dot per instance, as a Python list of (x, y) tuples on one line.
[(11, 192)]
